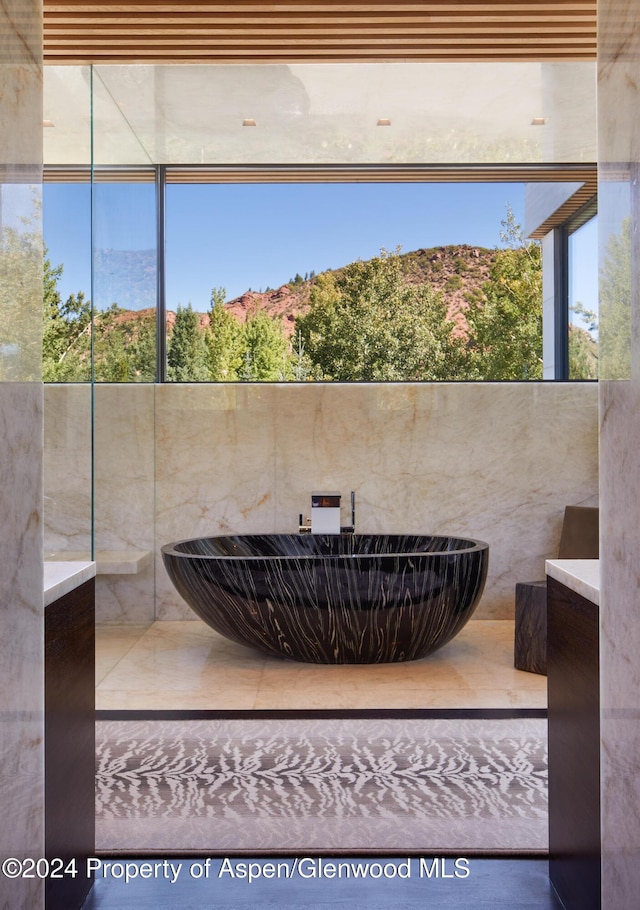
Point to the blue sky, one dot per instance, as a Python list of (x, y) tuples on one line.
[(583, 277), (253, 236)]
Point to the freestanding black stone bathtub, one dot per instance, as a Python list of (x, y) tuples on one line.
[(332, 599)]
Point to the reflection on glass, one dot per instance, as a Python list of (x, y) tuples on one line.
[(113, 312), (66, 348), (616, 269), (20, 281), (433, 112), (583, 301)]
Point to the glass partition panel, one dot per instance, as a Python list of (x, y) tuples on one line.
[(124, 292), (67, 332), (349, 113)]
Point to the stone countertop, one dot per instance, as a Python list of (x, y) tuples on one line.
[(62, 577), (579, 575)]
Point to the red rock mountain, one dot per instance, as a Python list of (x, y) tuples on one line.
[(456, 271)]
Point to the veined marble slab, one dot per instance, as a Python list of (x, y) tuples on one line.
[(62, 577), (579, 575)]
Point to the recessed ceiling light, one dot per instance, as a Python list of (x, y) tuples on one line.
[(249, 121), (538, 121), (48, 123), (383, 121)]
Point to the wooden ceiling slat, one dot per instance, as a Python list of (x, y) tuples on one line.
[(389, 17), (327, 5), (182, 55), (376, 174), (585, 174), (317, 44), (77, 31), (152, 54), (181, 28)]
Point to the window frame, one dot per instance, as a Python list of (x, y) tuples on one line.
[(162, 175)]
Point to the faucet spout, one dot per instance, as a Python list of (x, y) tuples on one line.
[(322, 504)]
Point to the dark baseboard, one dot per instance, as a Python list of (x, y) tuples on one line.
[(328, 714)]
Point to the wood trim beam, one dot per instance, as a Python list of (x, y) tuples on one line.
[(80, 32), (584, 174)]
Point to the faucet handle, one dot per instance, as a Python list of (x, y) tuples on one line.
[(351, 529), (304, 526)]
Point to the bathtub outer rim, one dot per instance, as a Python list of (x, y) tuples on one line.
[(475, 545)]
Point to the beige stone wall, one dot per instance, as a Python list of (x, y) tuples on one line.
[(21, 568), (618, 198), (493, 461)]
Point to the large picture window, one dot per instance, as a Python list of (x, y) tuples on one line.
[(291, 281), (159, 278), (315, 221), (349, 282)]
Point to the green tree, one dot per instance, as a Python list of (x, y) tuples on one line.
[(143, 351), (20, 293), (66, 331), (366, 324), (300, 364), (505, 318), (583, 347), (224, 339), (124, 344), (110, 354), (111, 362), (265, 350), (583, 354), (187, 354), (615, 306)]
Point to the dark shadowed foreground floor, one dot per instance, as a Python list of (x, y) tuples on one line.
[(313, 883)]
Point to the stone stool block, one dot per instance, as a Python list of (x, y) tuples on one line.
[(530, 650)]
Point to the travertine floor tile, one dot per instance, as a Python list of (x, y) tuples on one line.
[(186, 665), (113, 641)]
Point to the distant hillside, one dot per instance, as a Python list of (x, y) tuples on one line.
[(456, 271)]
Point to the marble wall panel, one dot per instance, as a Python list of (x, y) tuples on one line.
[(67, 468), (21, 568), (21, 636), (487, 461), (123, 480), (215, 468), (493, 461), (619, 166)]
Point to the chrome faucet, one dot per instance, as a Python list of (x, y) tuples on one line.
[(305, 524)]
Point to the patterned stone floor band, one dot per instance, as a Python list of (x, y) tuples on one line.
[(476, 786)]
